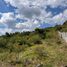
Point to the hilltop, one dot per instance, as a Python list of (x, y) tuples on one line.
[(39, 48)]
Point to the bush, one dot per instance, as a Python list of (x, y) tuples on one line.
[(37, 42), (36, 39), (3, 43), (59, 28), (7, 34), (24, 42), (25, 33), (40, 31)]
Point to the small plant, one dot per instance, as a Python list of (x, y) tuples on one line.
[(36, 39), (40, 31), (37, 42)]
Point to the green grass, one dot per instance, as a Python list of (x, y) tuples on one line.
[(42, 47)]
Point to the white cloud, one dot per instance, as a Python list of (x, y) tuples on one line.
[(4, 30), (8, 19), (59, 18), (53, 3), (34, 11), (28, 25), (56, 3), (65, 14), (29, 12)]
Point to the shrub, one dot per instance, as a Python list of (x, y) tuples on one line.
[(24, 42), (37, 42), (25, 33), (36, 39), (3, 43), (7, 34), (59, 28), (40, 31)]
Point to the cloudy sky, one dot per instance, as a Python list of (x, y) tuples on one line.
[(26, 15)]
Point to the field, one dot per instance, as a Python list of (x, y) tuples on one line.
[(39, 48)]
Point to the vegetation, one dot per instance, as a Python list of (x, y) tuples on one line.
[(40, 48)]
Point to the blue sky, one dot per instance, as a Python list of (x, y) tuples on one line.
[(26, 15), (5, 7)]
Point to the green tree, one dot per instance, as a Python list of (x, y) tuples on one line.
[(7, 34)]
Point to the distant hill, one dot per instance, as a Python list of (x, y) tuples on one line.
[(63, 27), (39, 48)]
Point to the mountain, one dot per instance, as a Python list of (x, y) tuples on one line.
[(39, 48)]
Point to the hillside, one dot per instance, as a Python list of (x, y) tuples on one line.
[(39, 48)]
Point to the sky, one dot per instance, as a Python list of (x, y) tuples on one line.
[(26, 15)]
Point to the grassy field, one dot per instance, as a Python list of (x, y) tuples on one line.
[(40, 48)]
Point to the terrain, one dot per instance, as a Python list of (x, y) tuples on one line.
[(39, 48)]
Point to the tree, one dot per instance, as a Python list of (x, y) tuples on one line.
[(7, 34), (41, 32)]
